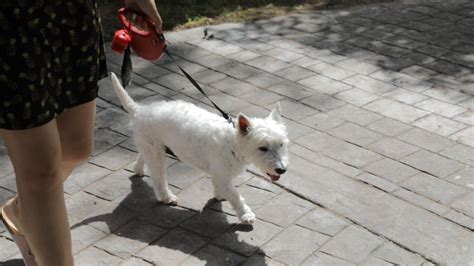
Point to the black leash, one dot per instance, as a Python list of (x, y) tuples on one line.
[(126, 76), (196, 85)]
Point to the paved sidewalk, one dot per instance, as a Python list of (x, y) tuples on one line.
[(378, 100)]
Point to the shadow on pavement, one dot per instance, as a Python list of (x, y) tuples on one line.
[(203, 235)]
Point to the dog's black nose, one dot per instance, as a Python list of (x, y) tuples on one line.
[(280, 171)]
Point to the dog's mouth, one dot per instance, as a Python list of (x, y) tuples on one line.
[(273, 177)]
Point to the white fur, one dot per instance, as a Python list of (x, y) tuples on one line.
[(206, 141)]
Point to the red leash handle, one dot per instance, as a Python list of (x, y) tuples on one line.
[(145, 41)]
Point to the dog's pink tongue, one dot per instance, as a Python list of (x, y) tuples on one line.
[(274, 177)]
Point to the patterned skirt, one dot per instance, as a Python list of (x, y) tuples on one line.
[(51, 57)]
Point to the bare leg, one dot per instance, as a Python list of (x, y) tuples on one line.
[(71, 136), (36, 158)]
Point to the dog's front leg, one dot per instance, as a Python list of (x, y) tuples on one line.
[(224, 189)]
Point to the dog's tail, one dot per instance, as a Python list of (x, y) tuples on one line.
[(126, 101)]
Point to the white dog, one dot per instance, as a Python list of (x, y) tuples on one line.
[(206, 141)]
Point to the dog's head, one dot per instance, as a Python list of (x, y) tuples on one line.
[(264, 142)]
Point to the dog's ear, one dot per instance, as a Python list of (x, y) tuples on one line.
[(244, 124), (276, 113)]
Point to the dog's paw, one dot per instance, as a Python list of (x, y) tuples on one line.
[(170, 200), (248, 218), (139, 171)]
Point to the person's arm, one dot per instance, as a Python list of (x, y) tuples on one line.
[(148, 7)]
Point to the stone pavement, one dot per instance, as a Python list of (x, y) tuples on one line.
[(378, 101)]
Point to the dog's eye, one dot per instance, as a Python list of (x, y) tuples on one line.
[(281, 144), (264, 149)]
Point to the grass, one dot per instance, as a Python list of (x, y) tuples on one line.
[(182, 14)]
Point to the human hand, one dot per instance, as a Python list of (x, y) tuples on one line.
[(147, 7)]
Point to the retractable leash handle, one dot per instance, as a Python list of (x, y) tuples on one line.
[(140, 33)]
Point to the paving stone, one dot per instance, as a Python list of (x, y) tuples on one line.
[(356, 96), (352, 244), (331, 71), (460, 219), (243, 56), (294, 244), (214, 255), (110, 117), (108, 217), (295, 110), (323, 102), (81, 204), (369, 84), (317, 141), (228, 102), (105, 139), (351, 154), (405, 96), (294, 73), (233, 86), (134, 262), (433, 188), (295, 129), (358, 66), (425, 140), (320, 258), (264, 80), (465, 136), (418, 71), (392, 148), (209, 76), (421, 201), (354, 134), (172, 248), (355, 114), (112, 186), (262, 97), (441, 108), (84, 236), (447, 95), (323, 221), (324, 161), (305, 62), (95, 256), (375, 261), (5, 163), (8, 249), (182, 175), (244, 240), (115, 158), (464, 177), (377, 182), (268, 64), (8, 182), (130, 239), (210, 223), (399, 111), (466, 117), (464, 204), (322, 121), (391, 170), (439, 125), (392, 253), (292, 206), (432, 163), (292, 90), (260, 259), (282, 54), (324, 84)]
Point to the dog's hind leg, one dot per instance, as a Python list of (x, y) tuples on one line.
[(139, 168), (223, 188), (155, 160)]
